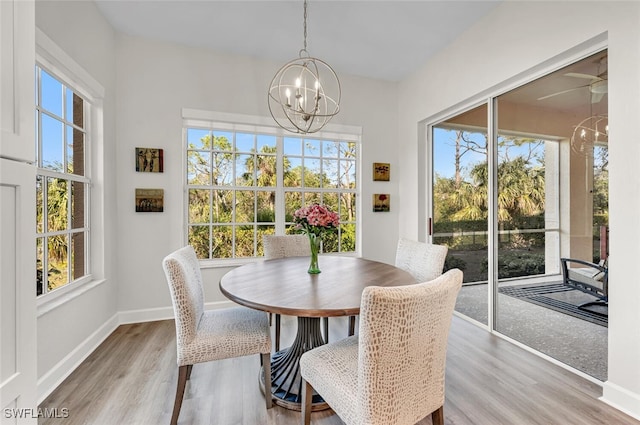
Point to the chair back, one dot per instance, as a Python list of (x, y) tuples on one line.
[(286, 246), (402, 349), (185, 284), (424, 261)]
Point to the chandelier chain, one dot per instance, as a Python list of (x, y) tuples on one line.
[(305, 25)]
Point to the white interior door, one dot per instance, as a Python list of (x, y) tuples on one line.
[(18, 360)]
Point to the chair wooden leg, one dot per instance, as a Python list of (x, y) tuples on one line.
[(189, 369), (437, 416), (183, 371), (307, 396), (266, 367), (352, 325), (277, 333), (325, 321)]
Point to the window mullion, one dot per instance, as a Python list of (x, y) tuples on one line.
[(45, 238), (280, 198), (69, 228)]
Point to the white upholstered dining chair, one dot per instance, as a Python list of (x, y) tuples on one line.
[(206, 335), (393, 371), (297, 245), (424, 261)]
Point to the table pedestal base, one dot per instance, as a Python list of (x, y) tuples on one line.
[(286, 382)]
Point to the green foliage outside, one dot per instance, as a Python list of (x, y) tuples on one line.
[(229, 222), (58, 245), (518, 264), (452, 262), (461, 210)]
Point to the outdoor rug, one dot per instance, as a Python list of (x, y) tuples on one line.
[(558, 297)]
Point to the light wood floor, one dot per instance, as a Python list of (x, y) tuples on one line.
[(130, 380)]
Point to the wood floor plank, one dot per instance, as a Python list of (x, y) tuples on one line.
[(131, 380)]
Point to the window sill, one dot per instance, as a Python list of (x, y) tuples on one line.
[(62, 296), (236, 262)]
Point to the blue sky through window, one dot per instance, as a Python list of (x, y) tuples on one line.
[(444, 151), (55, 99)]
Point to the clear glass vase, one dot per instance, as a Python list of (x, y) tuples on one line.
[(314, 243)]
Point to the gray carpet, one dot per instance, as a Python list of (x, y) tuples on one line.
[(573, 341), (561, 298)]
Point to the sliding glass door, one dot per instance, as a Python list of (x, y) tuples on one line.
[(511, 202), (460, 202)]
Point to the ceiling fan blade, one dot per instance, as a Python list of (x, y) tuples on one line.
[(579, 75), (596, 97), (561, 92)]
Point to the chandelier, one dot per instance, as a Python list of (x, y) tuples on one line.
[(590, 132), (305, 93)]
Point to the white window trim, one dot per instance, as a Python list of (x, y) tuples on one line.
[(257, 124), (52, 58)]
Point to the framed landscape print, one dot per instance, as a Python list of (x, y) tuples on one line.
[(149, 200), (381, 171), (150, 160), (381, 202)]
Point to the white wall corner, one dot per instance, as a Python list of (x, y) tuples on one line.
[(622, 399), (54, 377)]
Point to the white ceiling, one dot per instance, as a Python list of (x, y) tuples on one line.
[(379, 39), (382, 39)]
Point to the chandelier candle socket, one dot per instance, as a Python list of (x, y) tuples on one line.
[(315, 220), (305, 93)]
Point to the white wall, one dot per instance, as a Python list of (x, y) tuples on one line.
[(71, 331), (156, 80), (514, 38)]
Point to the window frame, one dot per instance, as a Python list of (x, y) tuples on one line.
[(52, 59), (216, 121)]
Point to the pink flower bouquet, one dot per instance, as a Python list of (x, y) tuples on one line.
[(315, 219)]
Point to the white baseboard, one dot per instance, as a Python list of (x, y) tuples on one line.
[(54, 377), (163, 313), (146, 315), (622, 399)]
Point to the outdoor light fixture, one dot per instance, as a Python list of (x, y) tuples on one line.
[(305, 93)]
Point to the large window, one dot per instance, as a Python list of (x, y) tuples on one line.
[(62, 183), (246, 181)]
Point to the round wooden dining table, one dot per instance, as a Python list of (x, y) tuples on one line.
[(283, 286)]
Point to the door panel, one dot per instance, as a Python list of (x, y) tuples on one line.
[(17, 291), (17, 62), (460, 204)]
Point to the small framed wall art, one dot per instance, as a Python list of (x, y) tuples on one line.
[(381, 202), (149, 200), (149, 160), (381, 171)]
